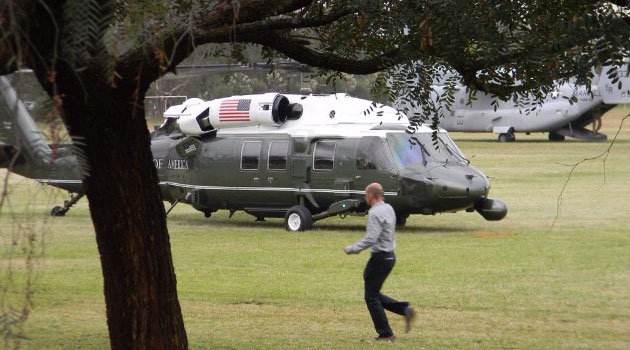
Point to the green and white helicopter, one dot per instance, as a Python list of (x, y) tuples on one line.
[(298, 157)]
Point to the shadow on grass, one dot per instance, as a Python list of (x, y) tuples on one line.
[(324, 225), (409, 229)]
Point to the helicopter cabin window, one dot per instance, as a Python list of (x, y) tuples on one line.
[(324, 155), (250, 155), (277, 159), (371, 154)]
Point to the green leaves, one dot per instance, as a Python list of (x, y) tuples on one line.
[(86, 22)]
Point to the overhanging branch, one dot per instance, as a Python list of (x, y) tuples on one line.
[(180, 44), (229, 12), (288, 22), (299, 51)]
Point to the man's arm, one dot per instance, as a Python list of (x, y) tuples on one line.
[(373, 230)]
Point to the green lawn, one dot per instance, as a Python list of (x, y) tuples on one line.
[(512, 284)]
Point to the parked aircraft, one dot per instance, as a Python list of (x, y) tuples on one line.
[(299, 157), (557, 115)]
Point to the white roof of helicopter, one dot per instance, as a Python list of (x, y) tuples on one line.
[(333, 115)]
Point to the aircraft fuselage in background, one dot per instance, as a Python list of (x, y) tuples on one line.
[(557, 115)]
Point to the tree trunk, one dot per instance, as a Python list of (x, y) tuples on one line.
[(121, 185), (108, 125)]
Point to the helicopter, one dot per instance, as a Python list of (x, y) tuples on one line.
[(565, 112), (298, 157)]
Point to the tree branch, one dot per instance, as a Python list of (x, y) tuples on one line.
[(8, 62), (180, 44), (574, 166), (229, 12), (299, 51), (287, 22)]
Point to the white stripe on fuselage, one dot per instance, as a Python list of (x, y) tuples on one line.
[(232, 188), (58, 181), (272, 189)]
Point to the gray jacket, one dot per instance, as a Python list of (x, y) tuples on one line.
[(380, 226)]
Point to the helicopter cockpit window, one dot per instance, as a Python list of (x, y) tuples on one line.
[(324, 155), (371, 154), (407, 149), (447, 151), (277, 159), (250, 155)]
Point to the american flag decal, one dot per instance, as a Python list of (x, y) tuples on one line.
[(233, 110)]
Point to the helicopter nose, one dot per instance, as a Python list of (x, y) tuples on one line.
[(464, 184), (470, 194), (443, 189)]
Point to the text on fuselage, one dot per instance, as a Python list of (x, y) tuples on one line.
[(171, 164)]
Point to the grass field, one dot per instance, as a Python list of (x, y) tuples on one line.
[(514, 284)]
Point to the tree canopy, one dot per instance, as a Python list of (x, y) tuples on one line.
[(501, 47)]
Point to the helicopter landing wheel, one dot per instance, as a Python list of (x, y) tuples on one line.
[(401, 219), (58, 211), (507, 137), (553, 137), (298, 218)]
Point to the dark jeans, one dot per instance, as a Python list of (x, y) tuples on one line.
[(376, 271)]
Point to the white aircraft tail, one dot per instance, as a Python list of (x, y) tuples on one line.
[(615, 91)]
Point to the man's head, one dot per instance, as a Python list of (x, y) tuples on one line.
[(373, 193)]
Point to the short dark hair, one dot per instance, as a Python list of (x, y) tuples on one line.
[(376, 191)]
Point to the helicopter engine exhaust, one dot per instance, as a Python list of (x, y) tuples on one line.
[(491, 209), (196, 117)]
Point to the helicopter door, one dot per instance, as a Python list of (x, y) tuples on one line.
[(276, 174), (249, 178), (216, 173), (344, 169), (322, 172), (374, 164)]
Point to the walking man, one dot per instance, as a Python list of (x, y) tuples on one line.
[(379, 237)]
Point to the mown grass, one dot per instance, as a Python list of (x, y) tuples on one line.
[(515, 284)]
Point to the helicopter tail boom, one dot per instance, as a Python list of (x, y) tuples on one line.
[(19, 136), (24, 151)]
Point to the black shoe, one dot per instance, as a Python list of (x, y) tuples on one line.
[(389, 339), (410, 318)]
